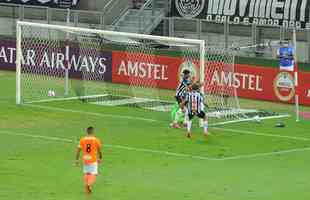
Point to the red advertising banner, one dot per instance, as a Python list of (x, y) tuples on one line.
[(252, 82), (264, 83), (271, 84), (154, 71), (304, 91)]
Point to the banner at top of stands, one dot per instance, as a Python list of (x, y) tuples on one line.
[(285, 13)]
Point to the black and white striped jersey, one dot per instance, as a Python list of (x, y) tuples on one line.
[(182, 88), (194, 102)]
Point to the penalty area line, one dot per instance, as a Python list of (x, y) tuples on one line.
[(167, 153), (234, 131), (256, 155)]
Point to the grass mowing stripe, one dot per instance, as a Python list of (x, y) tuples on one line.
[(180, 155), (267, 154), (158, 121), (37, 136), (261, 134), (91, 113), (59, 139)]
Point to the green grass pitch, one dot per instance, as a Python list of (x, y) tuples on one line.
[(143, 158)]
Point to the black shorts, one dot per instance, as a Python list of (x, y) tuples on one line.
[(200, 115), (179, 99)]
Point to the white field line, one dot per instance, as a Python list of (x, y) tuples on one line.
[(66, 99), (267, 154), (180, 155), (59, 139), (250, 119), (236, 131)]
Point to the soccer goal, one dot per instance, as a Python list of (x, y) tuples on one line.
[(106, 68)]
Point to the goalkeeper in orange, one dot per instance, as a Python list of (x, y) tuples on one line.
[(90, 146)]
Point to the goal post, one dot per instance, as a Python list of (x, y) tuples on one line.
[(18, 64), (28, 34), (107, 68), (297, 112)]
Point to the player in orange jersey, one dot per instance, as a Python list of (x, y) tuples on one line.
[(90, 146)]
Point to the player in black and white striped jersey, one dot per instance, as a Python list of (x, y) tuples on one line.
[(181, 91), (194, 104), (183, 86)]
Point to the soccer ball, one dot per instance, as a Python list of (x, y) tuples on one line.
[(51, 93), (257, 119), (217, 114)]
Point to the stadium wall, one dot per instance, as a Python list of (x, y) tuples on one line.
[(251, 81)]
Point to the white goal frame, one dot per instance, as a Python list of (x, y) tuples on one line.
[(20, 24)]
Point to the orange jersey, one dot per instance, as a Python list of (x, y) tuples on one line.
[(90, 146)]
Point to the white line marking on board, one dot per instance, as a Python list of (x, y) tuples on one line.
[(158, 121), (236, 131), (162, 152), (92, 113)]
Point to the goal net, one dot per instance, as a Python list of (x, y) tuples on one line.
[(106, 68)]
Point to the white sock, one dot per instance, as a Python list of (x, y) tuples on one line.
[(205, 127), (189, 126)]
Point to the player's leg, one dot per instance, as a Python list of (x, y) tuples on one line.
[(86, 185), (175, 116), (190, 117), (186, 117), (90, 175), (92, 179), (178, 113), (202, 115)]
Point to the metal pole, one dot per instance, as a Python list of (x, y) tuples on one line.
[(18, 63), (21, 12), (48, 16), (254, 32), (171, 27), (198, 28), (153, 7), (76, 19), (296, 76), (21, 16), (226, 33), (308, 44), (165, 27), (67, 56), (102, 26), (202, 50)]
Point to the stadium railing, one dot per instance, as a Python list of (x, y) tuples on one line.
[(220, 34)]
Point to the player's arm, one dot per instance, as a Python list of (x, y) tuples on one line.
[(99, 151), (99, 155), (203, 100), (77, 155)]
